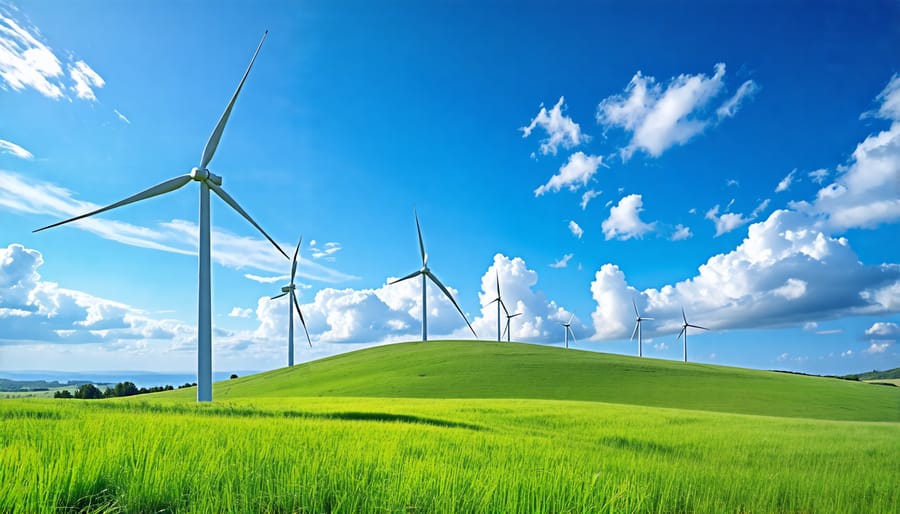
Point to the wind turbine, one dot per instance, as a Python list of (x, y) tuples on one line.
[(208, 181), (426, 274), (499, 302), (683, 332), (293, 303), (506, 330), (637, 328), (568, 330)]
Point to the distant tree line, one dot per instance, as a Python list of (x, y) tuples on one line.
[(92, 392)]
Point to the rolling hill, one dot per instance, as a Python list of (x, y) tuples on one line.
[(478, 369)]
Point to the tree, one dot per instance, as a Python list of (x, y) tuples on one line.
[(88, 392), (125, 389), (233, 376), (65, 393)]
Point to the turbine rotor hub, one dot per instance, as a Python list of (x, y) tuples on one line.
[(202, 174)]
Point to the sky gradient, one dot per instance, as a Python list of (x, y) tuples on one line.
[(740, 162)]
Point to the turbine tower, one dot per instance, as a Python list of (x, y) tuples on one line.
[(290, 291), (568, 330), (683, 332), (208, 181), (506, 330), (427, 274), (637, 328), (499, 302)]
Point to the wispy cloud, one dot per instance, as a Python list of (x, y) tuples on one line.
[(238, 312), (267, 280), (85, 79), (121, 116), (562, 262), (818, 176), (576, 230), (589, 195), (728, 221), (8, 147), (658, 118), (26, 195), (560, 129), (574, 174), (681, 233), (786, 182)]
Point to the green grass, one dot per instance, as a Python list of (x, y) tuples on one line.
[(437, 427), (466, 369)]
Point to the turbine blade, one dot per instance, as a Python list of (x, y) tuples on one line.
[(302, 321), (234, 205), (505, 329), (636, 325), (162, 188), (680, 333), (636, 313), (504, 307), (444, 289), (421, 243), (570, 319), (683, 316), (210, 149), (514, 315), (411, 275), (277, 297), (571, 334), (498, 284), (698, 326), (294, 260), (645, 319)]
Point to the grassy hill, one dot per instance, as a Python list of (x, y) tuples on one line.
[(476, 369), (876, 375)]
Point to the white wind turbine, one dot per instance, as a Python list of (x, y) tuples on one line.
[(208, 181), (683, 332), (506, 330), (426, 274), (568, 330), (637, 328), (290, 291), (499, 302)]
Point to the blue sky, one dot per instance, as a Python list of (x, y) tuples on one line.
[(739, 161)]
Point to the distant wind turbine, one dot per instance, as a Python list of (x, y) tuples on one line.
[(207, 181), (637, 328), (426, 274), (506, 330), (683, 332), (290, 291), (568, 330), (499, 302)]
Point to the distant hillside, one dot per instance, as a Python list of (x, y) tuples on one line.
[(875, 375), (477, 369)]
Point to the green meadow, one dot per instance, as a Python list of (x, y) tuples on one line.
[(465, 427)]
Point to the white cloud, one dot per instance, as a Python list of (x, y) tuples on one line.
[(326, 252), (624, 221), (238, 312), (732, 182), (561, 130), (883, 329), (85, 79), (818, 176), (588, 196), (267, 280), (681, 233), (878, 347), (864, 192), (848, 353), (540, 318), (660, 118), (15, 150), (784, 273), (810, 326), (122, 116), (575, 229), (786, 182), (760, 208), (573, 174), (563, 262), (661, 347), (30, 196), (28, 63), (728, 221)]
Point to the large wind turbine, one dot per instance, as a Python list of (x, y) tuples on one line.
[(207, 181), (637, 328), (568, 330), (426, 274), (683, 332), (499, 302), (506, 330), (290, 291)]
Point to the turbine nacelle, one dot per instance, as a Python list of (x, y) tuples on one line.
[(287, 289), (203, 174)]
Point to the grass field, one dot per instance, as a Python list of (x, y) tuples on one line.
[(382, 438)]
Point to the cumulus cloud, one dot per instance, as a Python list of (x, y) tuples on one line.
[(660, 117), (681, 233), (576, 230), (31, 196), (238, 312), (864, 192), (784, 273), (8, 147), (728, 221), (624, 221), (560, 129), (563, 261), (883, 329), (786, 182), (573, 174), (587, 196), (878, 347), (26, 62)]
